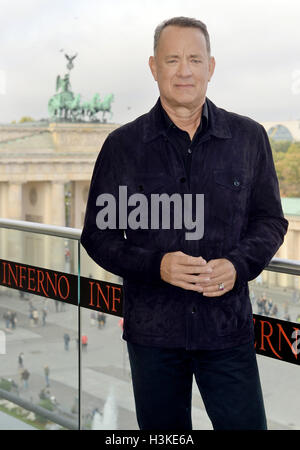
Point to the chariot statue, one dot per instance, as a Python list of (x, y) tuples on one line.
[(65, 106)]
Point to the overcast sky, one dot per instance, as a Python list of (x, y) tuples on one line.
[(256, 44)]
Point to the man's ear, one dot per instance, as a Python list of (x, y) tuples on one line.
[(152, 65), (212, 65)]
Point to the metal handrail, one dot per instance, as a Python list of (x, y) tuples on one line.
[(41, 228), (291, 267)]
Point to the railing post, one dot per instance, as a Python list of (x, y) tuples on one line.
[(79, 341)]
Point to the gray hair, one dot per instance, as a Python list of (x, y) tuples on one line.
[(184, 22)]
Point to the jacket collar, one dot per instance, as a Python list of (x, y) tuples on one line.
[(154, 126)]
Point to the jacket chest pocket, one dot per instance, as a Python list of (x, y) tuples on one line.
[(148, 184), (230, 195), (141, 188)]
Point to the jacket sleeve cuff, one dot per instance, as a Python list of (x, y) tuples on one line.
[(241, 280), (153, 268)]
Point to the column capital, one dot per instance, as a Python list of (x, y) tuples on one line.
[(58, 181), (17, 182)]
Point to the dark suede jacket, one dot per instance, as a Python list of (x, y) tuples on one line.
[(232, 166)]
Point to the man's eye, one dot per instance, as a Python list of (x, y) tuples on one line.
[(171, 60), (196, 60)]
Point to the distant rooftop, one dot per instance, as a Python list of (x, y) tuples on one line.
[(291, 206)]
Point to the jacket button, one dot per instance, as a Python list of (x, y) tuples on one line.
[(189, 150), (236, 183), (182, 179), (194, 310)]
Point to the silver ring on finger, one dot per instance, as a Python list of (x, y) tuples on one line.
[(221, 287)]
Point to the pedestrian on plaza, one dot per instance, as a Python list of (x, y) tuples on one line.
[(93, 318), (260, 306), (35, 316), (47, 373), (66, 340), (269, 306), (31, 307), (187, 311), (274, 312), (31, 320), (21, 360), (84, 341), (101, 319), (264, 302), (7, 319), (44, 315), (25, 377), (121, 325), (13, 320), (285, 307)]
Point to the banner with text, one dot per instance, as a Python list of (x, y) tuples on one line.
[(274, 338)]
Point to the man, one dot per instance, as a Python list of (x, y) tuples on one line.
[(186, 301)]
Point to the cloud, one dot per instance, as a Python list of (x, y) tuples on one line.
[(256, 45)]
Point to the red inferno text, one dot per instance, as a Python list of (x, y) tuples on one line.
[(40, 281)]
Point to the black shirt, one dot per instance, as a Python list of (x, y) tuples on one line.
[(180, 139)]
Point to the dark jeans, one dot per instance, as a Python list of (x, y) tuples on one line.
[(228, 381)]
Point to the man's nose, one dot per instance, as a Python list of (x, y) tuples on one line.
[(184, 69)]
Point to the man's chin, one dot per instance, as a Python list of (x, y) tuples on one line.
[(185, 100)]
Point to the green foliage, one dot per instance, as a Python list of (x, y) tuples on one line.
[(287, 163), (26, 119), (5, 384), (280, 146), (47, 404)]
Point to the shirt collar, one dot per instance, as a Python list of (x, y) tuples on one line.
[(170, 124), (154, 126)]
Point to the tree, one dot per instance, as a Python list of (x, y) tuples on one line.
[(288, 170), (26, 119), (280, 146)]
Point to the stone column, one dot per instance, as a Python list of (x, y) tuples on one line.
[(3, 214), (14, 201), (14, 210), (58, 203), (56, 245)]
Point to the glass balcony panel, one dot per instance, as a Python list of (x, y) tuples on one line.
[(277, 295), (106, 399), (34, 329)]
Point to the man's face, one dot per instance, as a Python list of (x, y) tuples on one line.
[(182, 66)]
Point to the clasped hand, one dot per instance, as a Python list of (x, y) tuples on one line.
[(196, 274)]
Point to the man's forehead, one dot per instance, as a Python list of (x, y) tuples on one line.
[(174, 39), (176, 55), (179, 32)]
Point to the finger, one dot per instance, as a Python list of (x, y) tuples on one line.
[(189, 286), (215, 281), (221, 266), (215, 289), (196, 279), (217, 293), (195, 269), (213, 284), (191, 260)]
